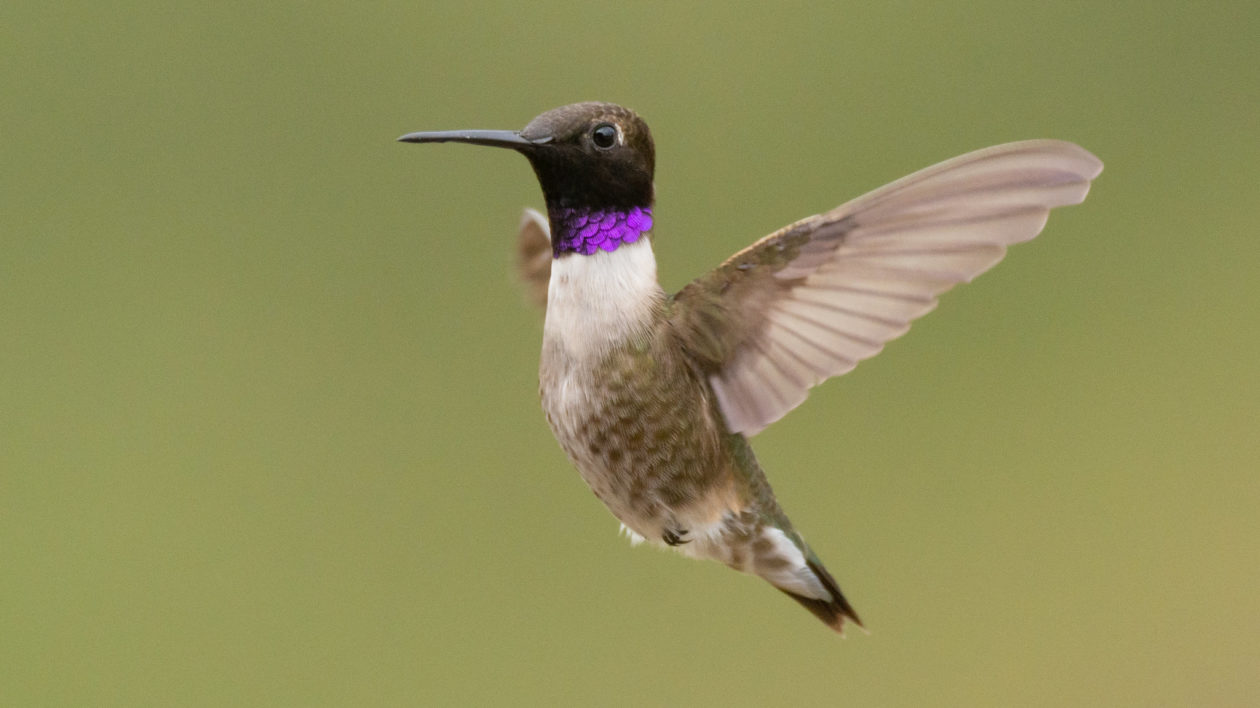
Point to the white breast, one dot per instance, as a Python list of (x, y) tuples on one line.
[(596, 301)]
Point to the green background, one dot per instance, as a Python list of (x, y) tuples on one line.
[(269, 430)]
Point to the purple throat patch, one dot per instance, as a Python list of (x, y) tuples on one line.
[(586, 231)]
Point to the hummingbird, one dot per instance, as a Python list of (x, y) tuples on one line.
[(654, 397)]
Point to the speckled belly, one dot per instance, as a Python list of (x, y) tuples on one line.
[(642, 436)]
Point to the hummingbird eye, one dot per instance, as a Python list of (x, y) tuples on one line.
[(604, 136)]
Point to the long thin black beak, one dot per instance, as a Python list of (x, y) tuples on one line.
[(493, 138)]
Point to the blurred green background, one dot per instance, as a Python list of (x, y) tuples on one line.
[(269, 430)]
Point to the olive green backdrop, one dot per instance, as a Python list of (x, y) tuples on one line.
[(269, 431)]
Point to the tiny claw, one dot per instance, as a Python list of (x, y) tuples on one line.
[(675, 538)]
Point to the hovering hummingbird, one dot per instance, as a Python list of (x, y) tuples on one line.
[(654, 396)]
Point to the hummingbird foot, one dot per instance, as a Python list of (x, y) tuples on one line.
[(675, 538)]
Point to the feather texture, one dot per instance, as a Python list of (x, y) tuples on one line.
[(811, 300), (533, 256)]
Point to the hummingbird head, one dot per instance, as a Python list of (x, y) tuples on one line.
[(595, 163)]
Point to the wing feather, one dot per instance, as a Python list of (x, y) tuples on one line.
[(533, 256), (813, 299)]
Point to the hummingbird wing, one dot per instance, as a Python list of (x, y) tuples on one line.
[(533, 256), (813, 299)]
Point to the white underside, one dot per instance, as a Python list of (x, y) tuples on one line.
[(797, 577), (598, 300), (705, 542)]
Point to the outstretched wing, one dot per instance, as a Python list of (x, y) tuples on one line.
[(533, 256), (813, 299)]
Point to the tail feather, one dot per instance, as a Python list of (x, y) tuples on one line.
[(832, 612), (779, 555)]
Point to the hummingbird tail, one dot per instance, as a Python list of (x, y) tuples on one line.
[(832, 612), (781, 558)]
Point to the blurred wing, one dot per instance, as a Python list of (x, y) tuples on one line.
[(533, 256), (813, 299)]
